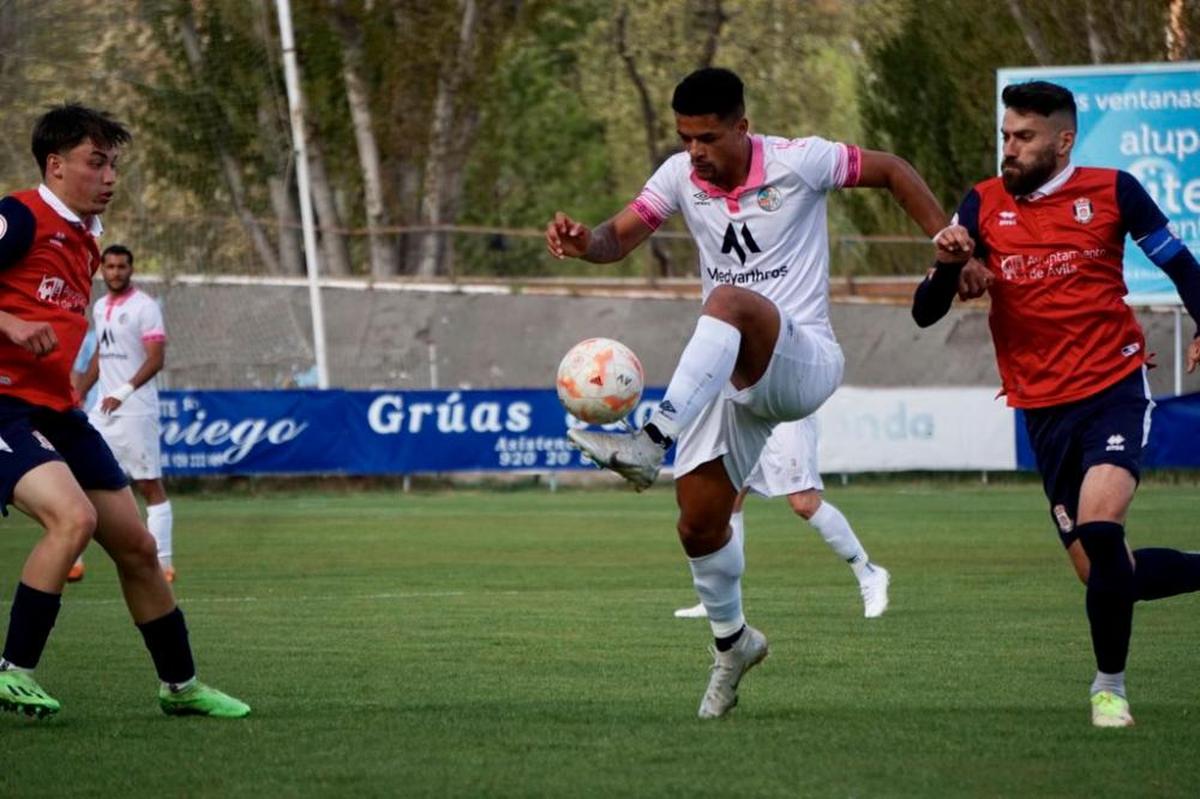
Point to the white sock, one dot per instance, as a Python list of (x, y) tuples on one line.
[(704, 368), (717, 578), (1109, 682), (159, 520), (833, 526)]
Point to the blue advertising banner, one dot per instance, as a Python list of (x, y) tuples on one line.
[(1144, 119), (368, 432)]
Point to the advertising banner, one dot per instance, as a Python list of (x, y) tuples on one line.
[(1144, 119), (895, 429), (368, 432)]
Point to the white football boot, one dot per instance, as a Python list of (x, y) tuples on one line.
[(697, 611), (632, 455), (728, 669), (874, 589)]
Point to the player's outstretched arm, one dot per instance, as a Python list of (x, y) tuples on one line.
[(610, 241)]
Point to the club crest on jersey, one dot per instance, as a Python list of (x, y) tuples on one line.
[(769, 198), (1083, 210)]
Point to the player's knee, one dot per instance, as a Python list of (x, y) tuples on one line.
[(136, 554), (75, 524), (805, 503), (732, 305)]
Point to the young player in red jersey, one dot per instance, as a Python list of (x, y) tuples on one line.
[(1049, 240), (53, 465)]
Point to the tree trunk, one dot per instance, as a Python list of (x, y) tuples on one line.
[(229, 166), (291, 254), (1177, 34), (438, 162), (1032, 36), (383, 254), (333, 243)]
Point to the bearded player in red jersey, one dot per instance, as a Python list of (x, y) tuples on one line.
[(54, 466), (1049, 241)]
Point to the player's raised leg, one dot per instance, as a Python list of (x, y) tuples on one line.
[(732, 343), (152, 605), (715, 556), (49, 494)]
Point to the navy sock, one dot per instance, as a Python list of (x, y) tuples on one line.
[(726, 643), (1162, 572), (167, 639), (30, 621), (1110, 593)]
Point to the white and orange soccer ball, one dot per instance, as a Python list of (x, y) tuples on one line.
[(600, 381)]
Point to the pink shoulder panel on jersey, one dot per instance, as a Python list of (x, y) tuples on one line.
[(651, 208), (848, 169)]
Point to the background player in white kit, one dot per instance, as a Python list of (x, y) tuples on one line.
[(763, 351), (132, 343), (788, 468)]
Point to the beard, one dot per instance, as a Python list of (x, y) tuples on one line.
[(1021, 180)]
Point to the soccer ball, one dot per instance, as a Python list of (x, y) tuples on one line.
[(600, 381)]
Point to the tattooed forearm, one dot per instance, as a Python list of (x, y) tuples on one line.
[(603, 247)]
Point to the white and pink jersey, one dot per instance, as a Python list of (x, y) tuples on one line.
[(769, 235), (123, 324)]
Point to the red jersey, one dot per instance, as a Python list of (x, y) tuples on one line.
[(49, 281), (1061, 328)]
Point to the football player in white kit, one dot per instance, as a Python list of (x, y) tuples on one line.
[(763, 351), (132, 342), (788, 468)]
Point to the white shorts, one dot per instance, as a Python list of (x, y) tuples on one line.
[(805, 370), (788, 463), (134, 442)]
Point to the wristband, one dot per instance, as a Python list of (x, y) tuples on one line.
[(123, 392)]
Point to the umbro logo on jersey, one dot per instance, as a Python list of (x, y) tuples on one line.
[(1116, 443), (1131, 349), (731, 243), (1008, 218), (702, 198)]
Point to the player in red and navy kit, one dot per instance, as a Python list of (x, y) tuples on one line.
[(54, 466), (1049, 243)]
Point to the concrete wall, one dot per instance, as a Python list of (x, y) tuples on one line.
[(254, 336)]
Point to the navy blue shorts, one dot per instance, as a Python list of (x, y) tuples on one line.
[(1109, 427), (31, 435)]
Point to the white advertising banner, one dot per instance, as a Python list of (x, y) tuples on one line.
[(895, 429)]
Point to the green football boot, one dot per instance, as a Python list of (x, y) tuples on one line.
[(1110, 710), (199, 699), (20, 693)]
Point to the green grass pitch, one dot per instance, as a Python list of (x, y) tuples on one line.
[(521, 643)]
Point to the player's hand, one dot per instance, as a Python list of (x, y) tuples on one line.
[(974, 280), (1193, 355), (954, 244), (566, 238), (35, 337), (109, 404)]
